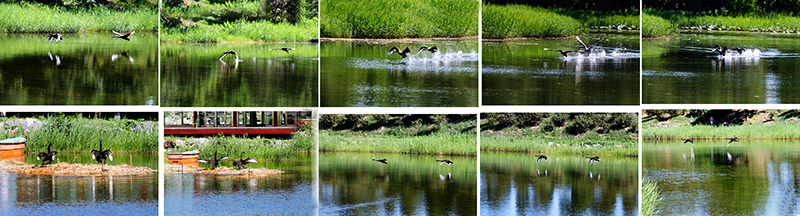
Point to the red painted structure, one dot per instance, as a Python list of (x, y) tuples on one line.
[(227, 130)]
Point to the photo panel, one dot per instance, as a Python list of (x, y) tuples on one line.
[(79, 163), (261, 160), (560, 52), (559, 163), (387, 164), (375, 54), (720, 161)]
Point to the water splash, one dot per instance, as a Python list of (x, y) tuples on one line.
[(447, 62), (597, 53), (445, 56)]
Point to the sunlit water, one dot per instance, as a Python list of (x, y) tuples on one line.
[(290, 193), (353, 184), (514, 184), (81, 195), (81, 69), (521, 72), (751, 177), (687, 70), (362, 75), (193, 75)]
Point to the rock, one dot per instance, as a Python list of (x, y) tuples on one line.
[(200, 142), (146, 127), (179, 143), (550, 144)]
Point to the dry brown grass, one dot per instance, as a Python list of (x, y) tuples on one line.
[(172, 168), (73, 169)]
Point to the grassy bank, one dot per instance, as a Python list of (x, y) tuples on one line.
[(239, 21), (439, 143), (534, 144), (41, 18), (241, 31), (765, 23), (510, 21), (412, 134), (650, 198), (787, 131), (653, 26), (399, 19), (574, 133), (272, 149), (677, 124), (70, 134)]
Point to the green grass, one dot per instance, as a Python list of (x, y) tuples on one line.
[(653, 26), (780, 131), (650, 198), (618, 20), (538, 144), (70, 134), (436, 143), (510, 21), (399, 19), (19, 18), (765, 23), (242, 31)]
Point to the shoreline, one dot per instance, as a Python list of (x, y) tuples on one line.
[(391, 152)]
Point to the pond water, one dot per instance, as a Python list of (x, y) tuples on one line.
[(81, 69), (360, 74), (289, 193), (192, 75), (353, 184), (751, 177), (82, 195), (513, 184), (686, 70), (521, 72)]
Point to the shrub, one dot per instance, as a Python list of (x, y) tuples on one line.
[(581, 124), (559, 119)]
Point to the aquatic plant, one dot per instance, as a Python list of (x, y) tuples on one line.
[(43, 18), (399, 19), (650, 199)]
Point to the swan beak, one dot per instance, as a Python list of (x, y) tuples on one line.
[(93, 157), (390, 53), (38, 158), (111, 158)]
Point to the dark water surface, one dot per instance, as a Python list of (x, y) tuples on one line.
[(289, 193), (521, 72), (82, 69), (353, 184), (751, 177), (358, 74), (685, 70), (513, 184), (192, 75), (81, 195)]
